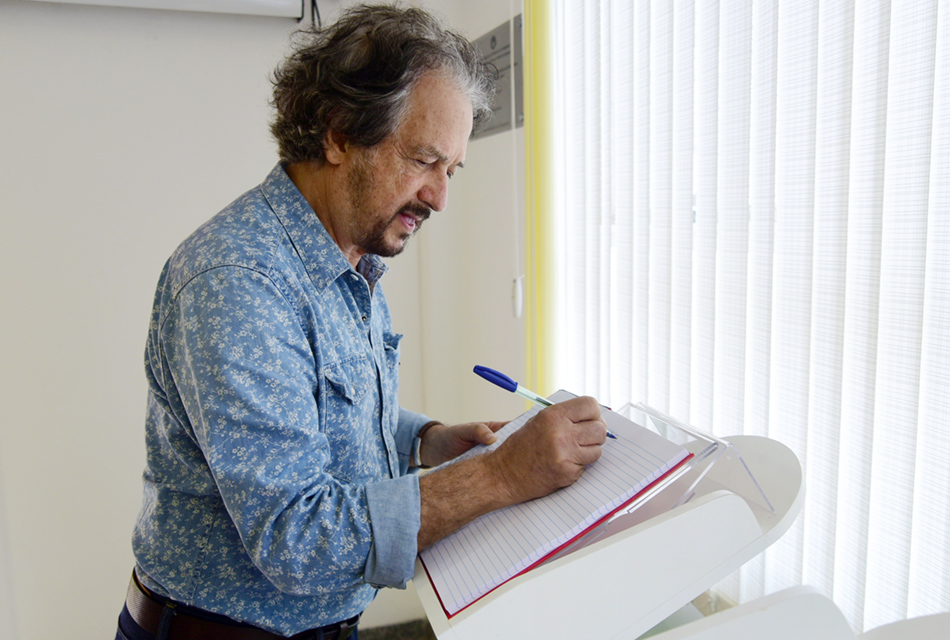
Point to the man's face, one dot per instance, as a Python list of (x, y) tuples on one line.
[(393, 187)]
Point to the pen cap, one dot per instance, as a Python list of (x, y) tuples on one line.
[(496, 377)]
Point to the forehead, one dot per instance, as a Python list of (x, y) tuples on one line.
[(438, 118)]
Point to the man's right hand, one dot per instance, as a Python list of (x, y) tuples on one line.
[(551, 450), (547, 453)]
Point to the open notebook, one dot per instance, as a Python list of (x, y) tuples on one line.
[(503, 544)]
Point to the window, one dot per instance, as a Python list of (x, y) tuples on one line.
[(754, 232)]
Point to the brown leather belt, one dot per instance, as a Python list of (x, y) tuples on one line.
[(148, 609)]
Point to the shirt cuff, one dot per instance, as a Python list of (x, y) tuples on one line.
[(394, 514), (409, 425)]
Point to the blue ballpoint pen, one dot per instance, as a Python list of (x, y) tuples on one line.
[(508, 384)]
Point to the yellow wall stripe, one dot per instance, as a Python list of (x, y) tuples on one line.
[(539, 169)]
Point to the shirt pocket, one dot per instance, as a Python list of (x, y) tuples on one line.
[(350, 420), (391, 350), (348, 380), (390, 379)]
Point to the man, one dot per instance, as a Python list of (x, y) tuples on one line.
[(278, 491)]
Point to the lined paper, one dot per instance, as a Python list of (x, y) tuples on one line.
[(491, 550)]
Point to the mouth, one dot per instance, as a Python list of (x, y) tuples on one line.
[(408, 221), (411, 217)]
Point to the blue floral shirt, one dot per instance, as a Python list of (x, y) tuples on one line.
[(277, 488)]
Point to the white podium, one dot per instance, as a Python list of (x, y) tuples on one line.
[(643, 567)]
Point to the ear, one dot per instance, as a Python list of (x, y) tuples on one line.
[(335, 147)]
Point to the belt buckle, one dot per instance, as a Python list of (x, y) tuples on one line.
[(347, 626)]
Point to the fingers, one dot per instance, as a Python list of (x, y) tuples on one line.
[(590, 433), (484, 434), (589, 454), (585, 427), (588, 426), (495, 426), (582, 409)]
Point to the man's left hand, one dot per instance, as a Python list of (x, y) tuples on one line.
[(441, 443)]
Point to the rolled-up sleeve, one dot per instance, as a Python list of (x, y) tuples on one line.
[(394, 511), (394, 517), (394, 508)]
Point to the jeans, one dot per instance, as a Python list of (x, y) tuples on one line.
[(130, 630)]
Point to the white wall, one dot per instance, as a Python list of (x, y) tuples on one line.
[(469, 258), (121, 130)]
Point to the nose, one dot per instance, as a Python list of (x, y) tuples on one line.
[(435, 192)]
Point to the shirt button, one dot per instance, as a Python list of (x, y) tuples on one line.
[(364, 318)]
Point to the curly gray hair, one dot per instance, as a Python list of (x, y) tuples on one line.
[(354, 77)]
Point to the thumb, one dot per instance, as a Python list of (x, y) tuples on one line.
[(483, 434)]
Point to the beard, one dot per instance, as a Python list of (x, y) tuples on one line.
[(375, 240), (372, 230)]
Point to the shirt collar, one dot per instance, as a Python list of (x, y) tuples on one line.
[(372, 268), (322, 258)]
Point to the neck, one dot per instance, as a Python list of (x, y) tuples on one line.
[(320, 190)]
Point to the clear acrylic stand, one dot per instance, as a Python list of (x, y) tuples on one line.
[(716, 464), (708, 451)]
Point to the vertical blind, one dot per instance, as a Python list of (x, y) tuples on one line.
[(754, 229)]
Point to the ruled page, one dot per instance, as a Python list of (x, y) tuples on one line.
[(498, 546)]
